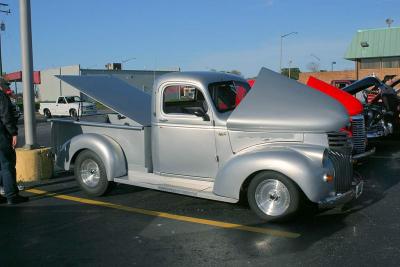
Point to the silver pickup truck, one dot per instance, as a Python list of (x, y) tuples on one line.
[(207, 135)]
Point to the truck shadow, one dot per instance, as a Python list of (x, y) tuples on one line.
[(380, 174)]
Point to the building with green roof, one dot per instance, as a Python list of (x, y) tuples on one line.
[(375, 51)]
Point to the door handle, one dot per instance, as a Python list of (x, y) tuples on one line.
[(162, 120)]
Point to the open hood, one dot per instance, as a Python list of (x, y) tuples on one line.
[(362, 84), (352, 104), (116, 94), (278, 103)]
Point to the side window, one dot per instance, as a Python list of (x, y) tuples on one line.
[(183, 99), (61, 100)]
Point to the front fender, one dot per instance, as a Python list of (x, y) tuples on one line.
[(302, 165), (105, 147)]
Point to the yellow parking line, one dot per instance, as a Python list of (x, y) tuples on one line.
[(175, 217)]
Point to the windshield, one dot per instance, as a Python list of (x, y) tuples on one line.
[(226, 96), (73, 99)]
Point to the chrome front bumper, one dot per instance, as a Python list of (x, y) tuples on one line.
[(342, 198), (364, 155)]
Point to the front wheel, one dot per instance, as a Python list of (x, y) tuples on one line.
[(90, 174), (73, 113), (273, 196)]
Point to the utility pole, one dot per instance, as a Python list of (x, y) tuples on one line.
[(27, 74), (2, 28), (280, 58)]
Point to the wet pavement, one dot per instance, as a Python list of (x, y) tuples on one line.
[(66, 229)]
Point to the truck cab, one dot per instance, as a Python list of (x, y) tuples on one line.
[(208, 135), (190, 122)]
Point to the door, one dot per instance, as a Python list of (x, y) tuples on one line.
[(186, 141), (61, 107)]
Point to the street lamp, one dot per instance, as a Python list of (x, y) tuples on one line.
[(280, 59), (127, 60), (290, 66), (333, 63), (2, 29), (314, 56)]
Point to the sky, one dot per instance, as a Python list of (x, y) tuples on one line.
[(192, 35)]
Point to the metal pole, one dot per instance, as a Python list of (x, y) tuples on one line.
[(280, 59), (1, 60), (27, 74), (333, 63)]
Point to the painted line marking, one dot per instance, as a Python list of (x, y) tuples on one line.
[(175, 217)]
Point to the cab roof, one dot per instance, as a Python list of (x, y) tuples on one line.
[(199, 77)]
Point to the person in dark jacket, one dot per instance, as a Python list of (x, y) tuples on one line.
[(8, 142)]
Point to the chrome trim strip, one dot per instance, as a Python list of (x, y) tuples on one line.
[(98, 124)]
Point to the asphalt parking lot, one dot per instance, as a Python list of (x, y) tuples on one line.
[(135, 226)]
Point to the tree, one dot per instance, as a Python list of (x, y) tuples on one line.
[(313, 66), (236, 72), (294, 73)]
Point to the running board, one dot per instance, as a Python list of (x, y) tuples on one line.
[(177, 185)]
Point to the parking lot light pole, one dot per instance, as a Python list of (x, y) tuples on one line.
[(333, 63), (27, 74), (280, 58)]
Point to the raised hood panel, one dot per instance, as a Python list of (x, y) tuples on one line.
[(116, 94), (352, 104), (281, 104)]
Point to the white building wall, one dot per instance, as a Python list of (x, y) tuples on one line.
[(51, 87)]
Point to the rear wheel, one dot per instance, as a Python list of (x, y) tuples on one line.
[(91, 174), (47, 113), (273, 196)]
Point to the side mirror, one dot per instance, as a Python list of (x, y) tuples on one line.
[(201, 113)]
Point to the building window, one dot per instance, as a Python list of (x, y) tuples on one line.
[(370, 63), (391, 62)]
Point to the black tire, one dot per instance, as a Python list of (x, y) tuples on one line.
[(73, 113), (103, 185), (47, 113), (269, 177)]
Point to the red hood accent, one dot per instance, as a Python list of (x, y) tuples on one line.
[(251, 82), (352, 104)]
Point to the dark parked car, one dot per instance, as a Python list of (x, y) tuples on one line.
[(381, 106)]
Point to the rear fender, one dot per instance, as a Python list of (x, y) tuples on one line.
[(105, 147)]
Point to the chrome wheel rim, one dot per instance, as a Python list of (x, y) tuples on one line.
[(90, 173), (272, 197)]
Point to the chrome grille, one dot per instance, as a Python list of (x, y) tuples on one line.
[(338, 140), (343, 170), (359, 135)]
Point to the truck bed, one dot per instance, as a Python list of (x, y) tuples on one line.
[(137, 138)]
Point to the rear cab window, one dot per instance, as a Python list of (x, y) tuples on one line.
[(226, 96)]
